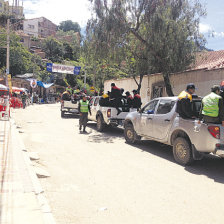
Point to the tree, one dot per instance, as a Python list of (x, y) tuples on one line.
[(54, 49), (155, 35), (69, 25), (21, 60)]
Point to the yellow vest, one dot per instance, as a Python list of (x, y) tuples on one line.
[(186, 95)]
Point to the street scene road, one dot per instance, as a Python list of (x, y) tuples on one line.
[(98, 178)]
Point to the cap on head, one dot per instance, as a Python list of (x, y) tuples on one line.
[(134, 91), (112, 84), (190, 86), (127, 93), (215, 88)]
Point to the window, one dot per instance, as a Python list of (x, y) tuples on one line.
[(96, 101), (157, 91), (31, 26), (0, 5), (150, 108), (165, 106)]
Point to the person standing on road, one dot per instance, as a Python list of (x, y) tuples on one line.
[(212, 110), (24, 97), (184, 103), (137, 102), (83, 108)]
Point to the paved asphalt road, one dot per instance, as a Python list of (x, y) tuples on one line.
[(97, 178)]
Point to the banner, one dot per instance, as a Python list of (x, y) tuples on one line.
[(33, 83), (44, 85), (10, 83), (63, 69)]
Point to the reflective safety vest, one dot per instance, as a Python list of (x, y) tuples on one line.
[(211, 105), (70, 90), (186, 95), (84, 106)]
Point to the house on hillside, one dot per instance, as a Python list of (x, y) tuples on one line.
[(39, 27), (207, 70)]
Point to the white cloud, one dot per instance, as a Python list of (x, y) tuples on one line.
[(205, 28), (57, 11), (220, 34)]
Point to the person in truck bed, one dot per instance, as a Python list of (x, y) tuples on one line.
[(137, 102), (212, 110), (184, 107), (66, 96)]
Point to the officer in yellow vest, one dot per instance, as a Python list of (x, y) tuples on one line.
[(212, 110), (184, 107), (84, 108)]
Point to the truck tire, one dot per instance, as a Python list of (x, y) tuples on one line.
[(182, 151), (100, 124), (130, 135), (62, 114)]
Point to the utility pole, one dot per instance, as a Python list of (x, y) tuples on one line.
[(85, 77), (8, 52)]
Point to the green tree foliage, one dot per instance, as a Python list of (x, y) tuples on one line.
[(54, 49), (69, 25), (21, 60), (149, 35)]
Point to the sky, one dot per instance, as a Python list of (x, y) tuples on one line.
[(212, 27)]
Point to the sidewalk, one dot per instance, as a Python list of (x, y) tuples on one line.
[(22, 200)]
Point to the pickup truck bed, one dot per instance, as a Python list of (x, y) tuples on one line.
[(159, 121), (70, 107), (106, 115)]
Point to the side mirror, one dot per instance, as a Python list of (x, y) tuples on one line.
[(150, 112)]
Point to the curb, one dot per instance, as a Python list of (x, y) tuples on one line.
[(38, 190)]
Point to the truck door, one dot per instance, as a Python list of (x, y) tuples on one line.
[(163, 118), (144, 122)]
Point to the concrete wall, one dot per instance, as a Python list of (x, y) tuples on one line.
[(201, 78)]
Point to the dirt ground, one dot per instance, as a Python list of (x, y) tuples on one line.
[(97, 178)]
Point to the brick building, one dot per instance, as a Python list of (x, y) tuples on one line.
[(39, 27)]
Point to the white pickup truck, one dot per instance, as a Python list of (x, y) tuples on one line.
[(158, 121), (106, 115), (70, 107)]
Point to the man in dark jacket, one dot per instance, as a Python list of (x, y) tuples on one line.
[(129, 99), (212, 110), (184, 104), (137, 102), (66, 96), (115, 97)]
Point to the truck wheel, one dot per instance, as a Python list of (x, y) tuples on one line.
[(182, 151), (99, 124), (130, 135), (62, 114)]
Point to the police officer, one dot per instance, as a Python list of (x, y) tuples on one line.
[(137, 102), (69, 89), (83, 108), (129, 99), (184, 107), (212, 110)]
